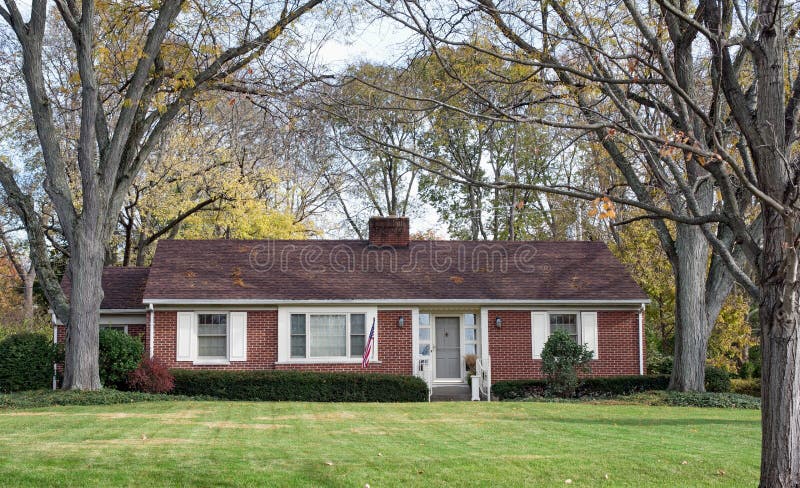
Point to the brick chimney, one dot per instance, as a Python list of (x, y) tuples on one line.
[(388, 231)]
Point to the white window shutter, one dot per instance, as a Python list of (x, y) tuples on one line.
[(540, 330), (589, 332), (185, 336), (237, 336)]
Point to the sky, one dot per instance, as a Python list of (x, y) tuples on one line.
[(378, 41), (371, 40)]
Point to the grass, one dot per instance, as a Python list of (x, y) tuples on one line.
[(441, 444)]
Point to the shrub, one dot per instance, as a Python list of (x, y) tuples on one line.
[(119, 355), (717, 380), (151, 377), (750, 387), (562, 359), (622, 385), (715, 400), (589, 387), (106, 396), (26, 362), (747, 370), (752, 368), (658, 363), (300, 386)]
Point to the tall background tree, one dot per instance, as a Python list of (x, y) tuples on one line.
[(130, 88), (696, 104)]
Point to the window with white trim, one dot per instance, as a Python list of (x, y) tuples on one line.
[(298, 332), (581, 326), (568, 322), (212, 336), (470, 333), (327, 335), (424, 334)]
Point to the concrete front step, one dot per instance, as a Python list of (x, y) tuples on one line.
[(451, 393)]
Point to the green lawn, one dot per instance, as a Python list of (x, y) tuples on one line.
[(439, 444)]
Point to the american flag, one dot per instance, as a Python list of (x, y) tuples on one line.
[(368, 346)]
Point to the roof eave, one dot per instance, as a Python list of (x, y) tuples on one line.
[(393, 301)]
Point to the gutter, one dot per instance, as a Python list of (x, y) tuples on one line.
[(54, 321), (390, 301), (151, 309), (641, 341)]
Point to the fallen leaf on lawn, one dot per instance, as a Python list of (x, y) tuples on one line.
[(420, 471)]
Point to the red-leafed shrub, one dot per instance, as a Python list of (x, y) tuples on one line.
[(151, 377)]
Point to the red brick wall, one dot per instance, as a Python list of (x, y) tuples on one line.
[(262, 342), (394, 347), (510, 346)]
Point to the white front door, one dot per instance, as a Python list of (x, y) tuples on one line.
[(448, 348)]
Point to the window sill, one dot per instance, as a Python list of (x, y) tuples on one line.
[(211, 362), (325, 361)]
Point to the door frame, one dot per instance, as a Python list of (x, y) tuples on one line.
[(461, 365)]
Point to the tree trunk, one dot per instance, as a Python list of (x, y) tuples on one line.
[(81, 370), (692, 322), (28, 280), (780, 370)]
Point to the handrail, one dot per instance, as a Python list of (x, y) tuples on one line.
[(425, 372), (483, 369)]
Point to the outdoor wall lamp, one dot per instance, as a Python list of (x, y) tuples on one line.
[(400, 322), (498, 322)]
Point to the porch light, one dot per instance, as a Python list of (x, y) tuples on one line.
[(400, 322), (498, 322)]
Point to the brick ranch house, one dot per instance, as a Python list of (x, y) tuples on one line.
[(309, 305)]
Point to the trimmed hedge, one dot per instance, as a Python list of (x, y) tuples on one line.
[(300, 386), (106, 396), (26, 362), (600, 386)]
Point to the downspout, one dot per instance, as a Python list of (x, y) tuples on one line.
[(152, 328), (55, 342), (641, 341)]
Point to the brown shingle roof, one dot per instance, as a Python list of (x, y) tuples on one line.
[(352, 270), (123, 287)]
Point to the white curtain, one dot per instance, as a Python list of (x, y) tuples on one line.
[(328, 335)]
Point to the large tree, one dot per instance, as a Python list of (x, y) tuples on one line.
[(696, 102), (132, 84)]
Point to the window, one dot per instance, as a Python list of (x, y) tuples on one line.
[(424, 336), (212, 336), (328, 335), (298, 333), (358, 334), (470, 334), (568, 322), (581, 326)]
